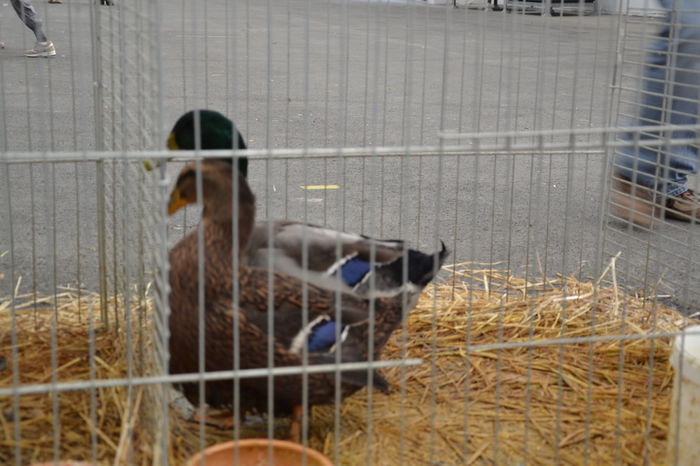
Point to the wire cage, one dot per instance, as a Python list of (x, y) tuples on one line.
[(545, 338)]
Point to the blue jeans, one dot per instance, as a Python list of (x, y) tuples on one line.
[(670, 82)]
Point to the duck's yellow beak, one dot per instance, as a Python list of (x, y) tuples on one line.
[(172, 145), (176, 202)]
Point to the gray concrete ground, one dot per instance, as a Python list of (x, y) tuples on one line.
[(328, 74)]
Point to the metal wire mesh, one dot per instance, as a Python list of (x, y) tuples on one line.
[(493, 132)]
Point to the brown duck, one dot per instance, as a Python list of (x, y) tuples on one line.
[(321, 333), (360, 265)]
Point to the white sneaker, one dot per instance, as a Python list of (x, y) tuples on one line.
[(41, 49)]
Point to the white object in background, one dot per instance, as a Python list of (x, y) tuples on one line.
[(632, 7), (475, 4), (685, 405)]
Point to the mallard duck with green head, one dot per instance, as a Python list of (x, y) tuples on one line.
[(354, 263), (331, 326)]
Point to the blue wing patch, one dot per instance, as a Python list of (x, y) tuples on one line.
[(322, 337), (353, 271)]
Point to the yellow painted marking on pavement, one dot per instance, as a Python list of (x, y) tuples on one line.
[(320, 186), (195, 35)]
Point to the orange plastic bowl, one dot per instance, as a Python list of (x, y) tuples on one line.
[(254, 452), (63, 463)]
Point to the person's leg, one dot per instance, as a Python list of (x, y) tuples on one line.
[(636, 168), (29, 16), (640, 163), (43, 47), (684, 77), (670, 96)]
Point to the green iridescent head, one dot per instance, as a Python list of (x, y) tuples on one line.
[(216, 133)]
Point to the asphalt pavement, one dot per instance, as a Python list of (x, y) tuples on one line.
[(314, 74)]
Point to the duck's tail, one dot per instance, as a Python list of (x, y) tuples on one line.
[(422, 267), (387, 280)]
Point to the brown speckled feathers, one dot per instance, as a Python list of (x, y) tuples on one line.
[(253, 294)]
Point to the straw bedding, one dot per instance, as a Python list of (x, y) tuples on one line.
[(605, 401), (514, 401), (110, 413)]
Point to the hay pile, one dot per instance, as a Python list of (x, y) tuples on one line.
[(510, 400), (513, 400), (112, 417)]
